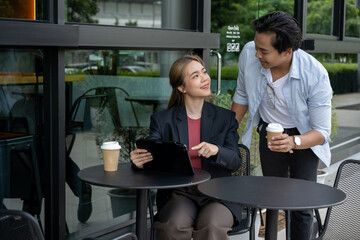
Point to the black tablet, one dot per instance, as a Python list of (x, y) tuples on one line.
[(168, 157)]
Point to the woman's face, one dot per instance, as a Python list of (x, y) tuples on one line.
[(196, 81)]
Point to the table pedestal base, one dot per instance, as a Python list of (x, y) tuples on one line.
[(141, 213)]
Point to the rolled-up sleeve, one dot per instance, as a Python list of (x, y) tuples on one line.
[(319, 103)]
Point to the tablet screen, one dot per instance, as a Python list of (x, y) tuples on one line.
[(171, 157)]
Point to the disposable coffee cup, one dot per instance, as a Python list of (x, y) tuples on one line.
[(273, 129), (111, 152)]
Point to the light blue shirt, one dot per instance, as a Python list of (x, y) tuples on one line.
[(307, 93)]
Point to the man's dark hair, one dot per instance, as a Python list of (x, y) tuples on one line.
[(285, 27)]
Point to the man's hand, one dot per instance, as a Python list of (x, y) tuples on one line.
[(282, 143)]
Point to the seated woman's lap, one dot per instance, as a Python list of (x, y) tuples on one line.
[(179, 209), (214, 214), (183, 217)]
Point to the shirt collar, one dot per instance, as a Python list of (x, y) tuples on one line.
[(295, 65)]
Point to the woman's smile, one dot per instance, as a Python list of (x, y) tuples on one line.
[(205, 86)]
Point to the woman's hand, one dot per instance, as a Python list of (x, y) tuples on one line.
[(282, 143), (206, 149), (140, 156)]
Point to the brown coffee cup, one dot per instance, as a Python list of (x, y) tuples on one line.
[(273, 129), (111, 152)]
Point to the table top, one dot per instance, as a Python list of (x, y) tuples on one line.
[(129, 177), (273, 192)]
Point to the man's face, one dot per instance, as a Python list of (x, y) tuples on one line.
[(269, 56)]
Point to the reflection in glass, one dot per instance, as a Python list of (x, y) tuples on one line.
[(352, 19), (21, 130), (227, 15), (21, 9), (111, 95), (171, 14), (319, 16)]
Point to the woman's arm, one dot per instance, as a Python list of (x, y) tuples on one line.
[(229, 155)]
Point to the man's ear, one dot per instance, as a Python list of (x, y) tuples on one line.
[(288, 52)]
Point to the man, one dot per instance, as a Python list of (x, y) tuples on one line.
[(278, 82)]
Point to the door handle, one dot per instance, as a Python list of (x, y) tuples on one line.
[(218, 55)]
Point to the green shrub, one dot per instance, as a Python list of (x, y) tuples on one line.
[(227, 72), (343, 77)]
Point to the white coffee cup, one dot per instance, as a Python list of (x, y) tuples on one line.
[(273, 129), (111, 152)]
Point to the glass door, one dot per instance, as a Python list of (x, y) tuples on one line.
[(116, 81)]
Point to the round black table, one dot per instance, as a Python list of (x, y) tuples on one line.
[(129, 177), (272, 193)]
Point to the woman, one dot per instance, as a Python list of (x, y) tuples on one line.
[(210, 133)]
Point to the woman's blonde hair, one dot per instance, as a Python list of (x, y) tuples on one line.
[(176, 76)]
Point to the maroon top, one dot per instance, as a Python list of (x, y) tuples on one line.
[(194, 139)]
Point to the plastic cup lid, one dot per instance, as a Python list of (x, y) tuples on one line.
[(110, 146), (274, 127)]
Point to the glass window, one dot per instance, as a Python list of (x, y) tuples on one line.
[(170, 14), (111, 95), (21, 130), (233, 20), (319, 16), (22, 9), (352, 19)]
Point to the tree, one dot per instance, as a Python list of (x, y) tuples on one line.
[(319, 16), (242, 13), (82, 11), (352, 21)]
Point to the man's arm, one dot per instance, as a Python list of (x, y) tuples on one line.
[(285, 143), (319, 104), (239, 110)]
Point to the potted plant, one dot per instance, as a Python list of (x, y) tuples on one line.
[(123, 201), (321, 176)]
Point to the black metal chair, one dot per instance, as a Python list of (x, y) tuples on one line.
[(98, 98), (93, 105), (343, 221), (20, 172), (247, 223), (19, 225)]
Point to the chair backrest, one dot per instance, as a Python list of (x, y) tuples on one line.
[(19, 225), (244, 170), (244, 225), (88, 99), (95, 101), (14, 124), (343, 221)]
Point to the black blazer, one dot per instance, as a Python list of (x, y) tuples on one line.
[(218, 126)]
